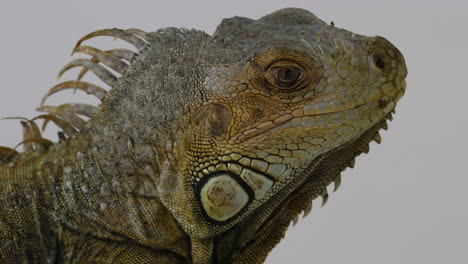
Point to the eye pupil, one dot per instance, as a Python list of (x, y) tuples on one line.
[(287, 75)]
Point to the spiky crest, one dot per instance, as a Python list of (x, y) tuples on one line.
[(69, 117)]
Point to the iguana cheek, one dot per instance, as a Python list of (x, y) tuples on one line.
[(223, 197)]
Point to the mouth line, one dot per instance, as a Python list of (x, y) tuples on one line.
[(389, 103)]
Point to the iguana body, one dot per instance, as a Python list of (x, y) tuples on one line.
[(205, 149)]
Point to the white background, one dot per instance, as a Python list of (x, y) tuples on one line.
[(405, 202)]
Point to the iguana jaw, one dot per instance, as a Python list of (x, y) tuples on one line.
[(263, 230)]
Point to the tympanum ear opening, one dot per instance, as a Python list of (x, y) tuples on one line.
[(217, 119)]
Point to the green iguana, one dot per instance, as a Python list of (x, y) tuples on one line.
[(205, 149)]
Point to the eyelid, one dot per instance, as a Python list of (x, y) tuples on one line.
[(282, 63), (262, 65)]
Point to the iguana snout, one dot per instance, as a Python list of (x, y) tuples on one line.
[(387, 61)]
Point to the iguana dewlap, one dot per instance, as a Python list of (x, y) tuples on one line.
[(206, 147)]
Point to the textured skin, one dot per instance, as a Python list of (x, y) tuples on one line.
[(200, 153)]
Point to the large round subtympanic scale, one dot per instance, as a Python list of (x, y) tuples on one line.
[(222, 197)]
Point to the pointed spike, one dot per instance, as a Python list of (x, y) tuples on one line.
[(88, 88), (107, 58), (48, 109), (79, 109), (352, 163), (101, 72), (124, 54), (73, 119), (365, 148), (69, 117), (324, 197), (295, 220), (43, 142), (390, 116), (7, 153), (39, 145), (136, 31), (68, 129), (393, 111), (132, 37), (378, 138), (27, 134), (385, 125), (337, 183), (44, 124), (14, 118), (36, 132), (84, 70), (116, 33), (308, 209)]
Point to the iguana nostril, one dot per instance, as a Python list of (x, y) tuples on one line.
[(217, 118), (379, 61), (382, 53)]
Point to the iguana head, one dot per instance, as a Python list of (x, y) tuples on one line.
[(248, 117), (279, 93)]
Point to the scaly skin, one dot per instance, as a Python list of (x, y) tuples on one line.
[(205, 149)]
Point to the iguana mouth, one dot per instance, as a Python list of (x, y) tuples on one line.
[(386, 106), (320, 176), (255, 178)]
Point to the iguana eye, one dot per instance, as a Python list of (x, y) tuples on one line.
[(285, 75)]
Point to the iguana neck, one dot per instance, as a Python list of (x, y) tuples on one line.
[(105, 186)]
